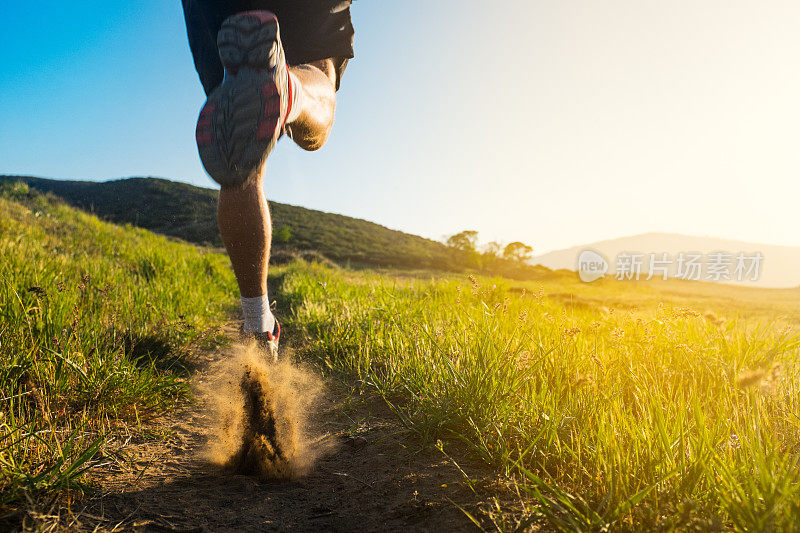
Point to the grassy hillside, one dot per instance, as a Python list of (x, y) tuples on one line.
[(189, 212), (608, 406), (605, 407), (97, 325)]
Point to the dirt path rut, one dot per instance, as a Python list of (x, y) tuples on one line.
[(368, 478)]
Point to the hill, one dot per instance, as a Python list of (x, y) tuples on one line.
[(780, 264), (189, 212)]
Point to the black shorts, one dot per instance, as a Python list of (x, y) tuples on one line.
[(311, 30)]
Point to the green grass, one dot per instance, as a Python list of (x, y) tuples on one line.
[(609, 406), (97, 326), (604, 406)]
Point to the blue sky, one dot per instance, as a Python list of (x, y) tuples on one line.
[(555, 123)]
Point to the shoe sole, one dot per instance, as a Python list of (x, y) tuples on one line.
[(242, 118)]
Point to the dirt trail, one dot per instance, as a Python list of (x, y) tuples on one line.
[(367, 478)]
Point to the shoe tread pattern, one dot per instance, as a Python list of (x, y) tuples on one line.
[(232, 144)]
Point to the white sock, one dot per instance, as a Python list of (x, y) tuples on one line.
[(257, 316), (297, 99)]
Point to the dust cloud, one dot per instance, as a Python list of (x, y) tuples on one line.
[(259, 415)]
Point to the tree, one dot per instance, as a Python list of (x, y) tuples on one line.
[(282, 234), (466, 241), (517, 251), (493, 249), (463, 248), (491, 254)]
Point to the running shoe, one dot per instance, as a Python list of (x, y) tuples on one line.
[(245, 115), (267, 341)]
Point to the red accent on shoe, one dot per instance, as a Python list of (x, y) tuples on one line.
[(266, 129), (291, 96), (203, 131), (269, 89), (272, 108), (262, 15), (278, 336)]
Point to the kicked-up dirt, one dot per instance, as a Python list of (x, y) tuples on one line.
[(274, 448)]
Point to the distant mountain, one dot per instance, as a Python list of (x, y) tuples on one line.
[(780, 266)]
